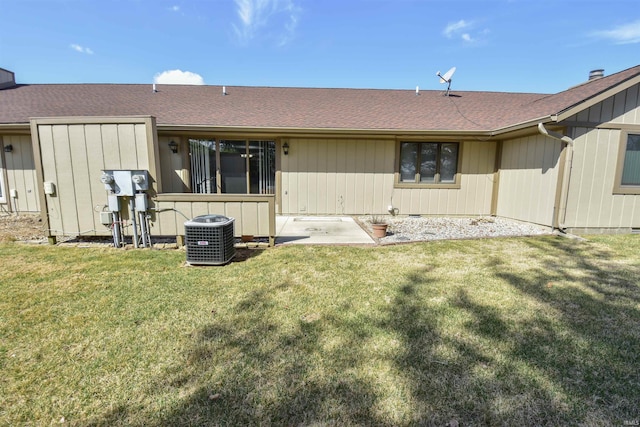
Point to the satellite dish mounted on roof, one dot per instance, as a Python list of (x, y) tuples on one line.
[(446, 78)]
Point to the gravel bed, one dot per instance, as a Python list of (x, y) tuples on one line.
[(415, 229)]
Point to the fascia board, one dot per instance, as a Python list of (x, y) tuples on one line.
[(89, 120), (589, 102), (285, 131), (15, 127)]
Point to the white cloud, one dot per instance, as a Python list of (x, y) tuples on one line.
[(280, 17), (622, 34), (81, 49), (178, 77), (174, 8), (455, 28), (466, 31)]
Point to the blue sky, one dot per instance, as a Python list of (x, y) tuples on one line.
[(497, 45)]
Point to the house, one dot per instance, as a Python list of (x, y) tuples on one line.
[(569, 160)]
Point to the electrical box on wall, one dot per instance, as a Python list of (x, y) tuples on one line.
[(141, 202), (125, 182), (106, 218), (49, 188), (113, 203)]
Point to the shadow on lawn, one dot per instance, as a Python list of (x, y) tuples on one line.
[(575, 362), (270, 374), (591, 355)]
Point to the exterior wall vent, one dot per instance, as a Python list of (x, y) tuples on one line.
[(209, 240), (596, 74)]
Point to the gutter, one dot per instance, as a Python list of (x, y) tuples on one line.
[(338, 132), (20, 128), (564, 177)]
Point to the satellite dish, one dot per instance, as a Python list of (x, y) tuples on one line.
[(446, 78)]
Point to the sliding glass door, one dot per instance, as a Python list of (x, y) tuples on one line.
[(233, 166), (262, 167), (203, 166)]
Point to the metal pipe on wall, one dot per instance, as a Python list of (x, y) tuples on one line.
[(116, 230), (144, 229), (561, 216), (134, 222)]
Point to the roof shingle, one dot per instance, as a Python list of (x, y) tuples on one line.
[(297, 108)]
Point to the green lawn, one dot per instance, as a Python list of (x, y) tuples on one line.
[(527, 331)]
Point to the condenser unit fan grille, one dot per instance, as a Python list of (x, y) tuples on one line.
[(210, 240)]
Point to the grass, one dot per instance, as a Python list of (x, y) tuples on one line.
[(536, 331)]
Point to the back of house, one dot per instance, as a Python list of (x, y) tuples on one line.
[(569, 161)]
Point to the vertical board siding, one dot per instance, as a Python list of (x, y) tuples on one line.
[(21, 175), (356, 177), (64, 179), (332, 176), (81, 175), (472, 198), (622, 108), (251, 217), (632, 106), (590, 201), (175, 178), (528, 179), (128, 149), (73, 157)]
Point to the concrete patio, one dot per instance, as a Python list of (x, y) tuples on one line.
[(308, 230)]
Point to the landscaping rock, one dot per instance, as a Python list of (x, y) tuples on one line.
[(415, 229)]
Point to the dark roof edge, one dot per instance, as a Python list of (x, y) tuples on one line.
[(291, 131), (609, 91)]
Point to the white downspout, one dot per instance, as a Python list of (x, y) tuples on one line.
[(566, 176)]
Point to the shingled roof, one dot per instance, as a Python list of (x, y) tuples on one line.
[(299, 108)]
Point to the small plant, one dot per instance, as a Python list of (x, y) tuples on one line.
[(379, 226), (378, 219)]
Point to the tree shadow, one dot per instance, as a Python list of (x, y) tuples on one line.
[(254, 370), (596, 299), (572, 362)]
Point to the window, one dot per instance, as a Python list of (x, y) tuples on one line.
[(628, 173), (232, 166), (429, 163)]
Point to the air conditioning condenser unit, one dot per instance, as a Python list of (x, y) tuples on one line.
[(209, 240)]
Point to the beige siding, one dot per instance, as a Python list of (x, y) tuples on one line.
[(174, 167), (623, 108), (73, 156), (331, 176), (472, 198), (254, 214), (338, 176), (20, 174), (591, 203), (528, 179)]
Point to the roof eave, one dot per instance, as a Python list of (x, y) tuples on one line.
[(597, 98), (294, 131), (524, 125), (14, 127)]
